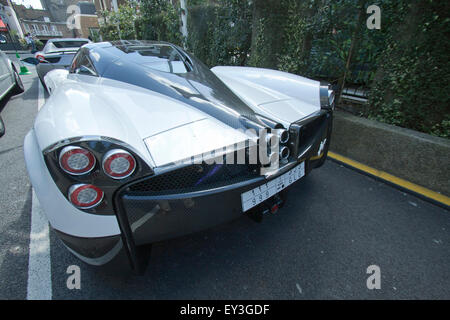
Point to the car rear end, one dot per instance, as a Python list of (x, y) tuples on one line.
[(58, 54)]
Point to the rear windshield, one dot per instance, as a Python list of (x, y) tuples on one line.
[(160, 57), (68, 44)]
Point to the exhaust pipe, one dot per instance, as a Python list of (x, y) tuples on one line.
[(284, 153), (283, 135)]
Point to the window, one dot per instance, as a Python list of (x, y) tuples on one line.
[(69, 44), (160, 57), (81, 64), (45, 27)]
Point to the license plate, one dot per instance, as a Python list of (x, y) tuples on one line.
[(260, 194)]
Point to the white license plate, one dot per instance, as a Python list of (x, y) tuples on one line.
[(260, 194)]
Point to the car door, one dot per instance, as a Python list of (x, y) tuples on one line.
[(5, 75)]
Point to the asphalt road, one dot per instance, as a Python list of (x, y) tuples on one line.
[(335, 224)]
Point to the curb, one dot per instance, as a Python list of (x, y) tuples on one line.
[(413, 156), (398, 183)]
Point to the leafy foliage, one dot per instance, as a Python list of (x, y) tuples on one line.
[(413, 75), (147, 19), (404, 65), (220, 34), (121, 24), (160, 20)]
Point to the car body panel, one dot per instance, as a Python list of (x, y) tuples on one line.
[(192, 139), (275, 94), (7, 80)]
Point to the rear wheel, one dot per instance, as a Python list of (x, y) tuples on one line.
[(2, 127), (18, 88), (43, 83)]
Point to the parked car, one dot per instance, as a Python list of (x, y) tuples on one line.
[(140, 142), (57, 54), (9, 82)]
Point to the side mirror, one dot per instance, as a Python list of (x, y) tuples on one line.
[(31, 60), (2, 127)]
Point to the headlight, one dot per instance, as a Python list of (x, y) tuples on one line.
[(327, 96)]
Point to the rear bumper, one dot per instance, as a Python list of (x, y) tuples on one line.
[(148, 217), (145, 217)]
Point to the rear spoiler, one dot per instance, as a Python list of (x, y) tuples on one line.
[(62, 52)]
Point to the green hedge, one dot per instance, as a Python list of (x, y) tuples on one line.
[(404, 65), (220, 35)]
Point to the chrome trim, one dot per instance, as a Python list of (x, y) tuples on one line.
[(113, 152), (327, 96), (68, 148), (100, 260), (283, 135)]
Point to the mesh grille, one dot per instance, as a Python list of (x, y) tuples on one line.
[(195, 178)]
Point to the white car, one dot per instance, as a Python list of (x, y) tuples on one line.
[(57, 54), (140, 142), (10, 82)]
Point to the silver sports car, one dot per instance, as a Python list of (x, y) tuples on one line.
[(57, 54), (140, 142)]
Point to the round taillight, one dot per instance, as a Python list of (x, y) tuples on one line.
[(76, 160), (85, 196), (118, 164)]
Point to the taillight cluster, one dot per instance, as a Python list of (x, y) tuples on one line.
[(77, 161), (40, 57)]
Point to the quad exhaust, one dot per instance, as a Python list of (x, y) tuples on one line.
[(284, 153)]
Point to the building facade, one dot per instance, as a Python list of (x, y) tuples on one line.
[(38, 23), (54, 20), (9, 18)]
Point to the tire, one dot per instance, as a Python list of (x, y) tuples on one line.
[(2, 127), (43, 84), (18, 88)]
